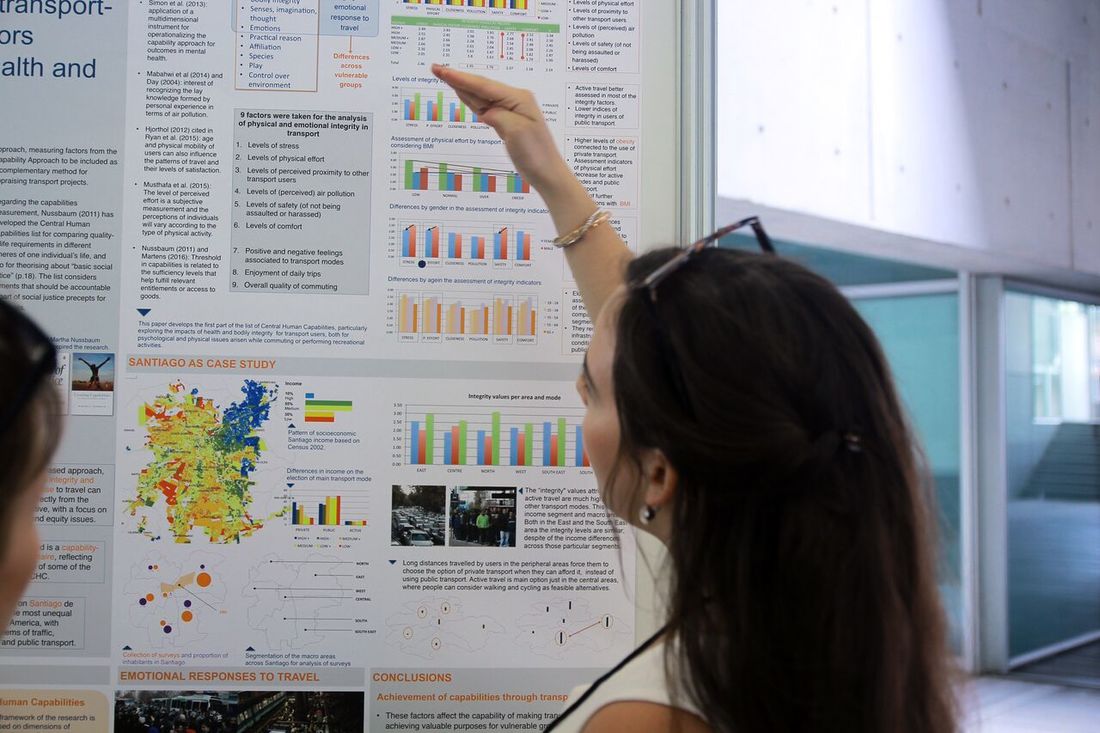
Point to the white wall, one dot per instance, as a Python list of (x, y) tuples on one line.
[(957, 132)]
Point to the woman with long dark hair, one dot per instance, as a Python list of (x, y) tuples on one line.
[(741, 411)]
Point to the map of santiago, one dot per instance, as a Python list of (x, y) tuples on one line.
[(203, 458)]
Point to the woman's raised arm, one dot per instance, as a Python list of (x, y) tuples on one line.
[(598, 260)]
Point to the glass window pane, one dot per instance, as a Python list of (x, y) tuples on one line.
[(1053, 456), (1094, 349), (920, 335), (842, 268)]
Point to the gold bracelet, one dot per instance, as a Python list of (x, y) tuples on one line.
[(568, 240)]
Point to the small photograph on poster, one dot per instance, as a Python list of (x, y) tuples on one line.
[(418, 516), (482, 516), (92, 383), (221, 711), (93, 372)]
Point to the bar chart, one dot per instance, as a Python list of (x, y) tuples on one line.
[(495, 317), (500, 245), (433, 105), (461, 176), (318, 508), (504, 436), (323, 410)]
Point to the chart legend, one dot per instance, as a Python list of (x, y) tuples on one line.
[(324, 411)]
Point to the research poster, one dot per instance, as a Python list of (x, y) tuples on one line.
[(323, 466)]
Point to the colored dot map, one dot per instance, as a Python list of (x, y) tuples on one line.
[(203, 458), (175, 603)]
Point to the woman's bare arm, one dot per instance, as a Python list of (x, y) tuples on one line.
[(598, 260)]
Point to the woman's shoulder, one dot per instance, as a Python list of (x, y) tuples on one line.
[(644, 717), (640, 698)]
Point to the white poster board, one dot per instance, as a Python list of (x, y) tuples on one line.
[(323, 460)]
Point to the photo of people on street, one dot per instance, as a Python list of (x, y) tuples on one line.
[(482, 516)]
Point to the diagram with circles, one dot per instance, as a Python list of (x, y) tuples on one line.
[(174, 603), (435, 626), (560, 628)]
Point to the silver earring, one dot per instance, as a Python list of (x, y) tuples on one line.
[(647, 513)]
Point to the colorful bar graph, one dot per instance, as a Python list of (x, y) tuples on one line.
[(330, 513), (500, 437), (324, 411), (428, 105), (506, 318), (438, 240), (422, 175)]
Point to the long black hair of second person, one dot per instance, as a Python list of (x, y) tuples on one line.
[(803, 573)]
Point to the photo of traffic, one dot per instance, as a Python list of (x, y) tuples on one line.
[(417, 516)]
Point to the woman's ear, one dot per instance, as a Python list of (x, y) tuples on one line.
[(659, 478)]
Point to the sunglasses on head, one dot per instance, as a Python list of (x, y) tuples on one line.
[(650, 282), (648, 286)]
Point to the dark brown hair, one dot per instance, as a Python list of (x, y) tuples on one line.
[(803, 592), (28, 441)]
